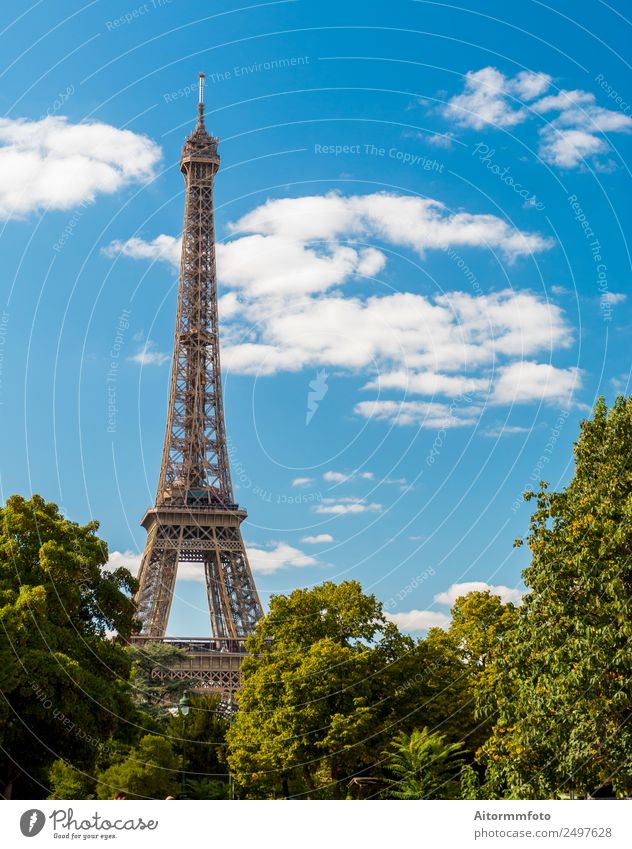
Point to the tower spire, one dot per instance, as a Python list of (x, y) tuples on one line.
[(195, 518), (202, 77)]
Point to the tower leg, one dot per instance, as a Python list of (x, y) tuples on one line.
[(157, 579), (245, 599), (232, 599), (221, 624)]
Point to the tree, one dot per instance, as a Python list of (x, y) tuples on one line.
[(150, 771), (306, 665), (206, 788), (480, 627), (564, 682), (63, 681), (446, 688), (66, 782), (199, 739), (152, 693), (424, 766), (327, 683), (456, 674), (480, 621)]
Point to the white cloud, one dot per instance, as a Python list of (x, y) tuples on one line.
[(504, 430), (570, 138), (161, 249), (444, 140), (265, 265), (131, 560), (336, 477), (419, 620), (530, 84), (575, 135), (578, 108), (414, 222), (263, 561), (292, 245), (344, 506), (456, 590), (564, 100), (188, 571), (421, 413), (620, 383), (613, 298), (128, 559), (302, 481), (439, 345), (569, 148), (344, 477), (319, 538), (280, 556), (402, 483), (526, 381), (428, 383), (54, 164), (146, 356), (402, 334), (491, 98)]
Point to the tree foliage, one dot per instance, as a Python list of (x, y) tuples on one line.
[(152, 693), (63, 681), (564, 680), (480, 627), (327, 684), (150, 771), (206, 788), (199, 739), (424, 766), (68, 782), (520, 702)]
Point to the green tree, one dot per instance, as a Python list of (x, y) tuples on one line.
[(424, 766), (327, 683), (67, 782), (206, 788), (153, 693), (446, 689), (470, 783), (564, 684), (306, 671), (479, 623), (150, 771), (480, 629), (63, 681), (199, 739)]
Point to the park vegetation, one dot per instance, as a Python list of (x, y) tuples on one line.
[(519, 702)]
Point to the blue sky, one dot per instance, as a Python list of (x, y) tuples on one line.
[(422, 219)]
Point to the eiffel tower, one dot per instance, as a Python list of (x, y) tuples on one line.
[(195, 517)]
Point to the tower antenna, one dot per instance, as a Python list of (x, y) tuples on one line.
[(201, 99)]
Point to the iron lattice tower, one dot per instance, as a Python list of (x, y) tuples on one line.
[(195, 518)]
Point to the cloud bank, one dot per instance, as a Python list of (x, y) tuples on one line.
[(290, 272), (572, 125), (54, 164)]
